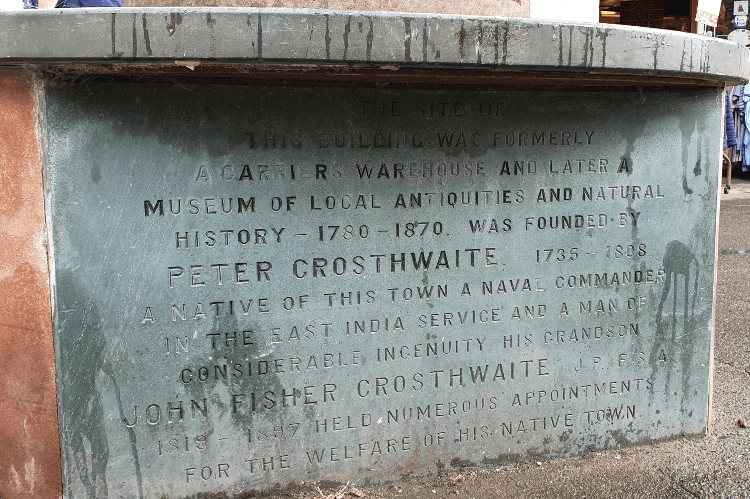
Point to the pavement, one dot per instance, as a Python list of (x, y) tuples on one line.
[(716, 465), (739, 188)]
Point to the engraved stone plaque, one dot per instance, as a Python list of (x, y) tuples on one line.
[(265, 284)]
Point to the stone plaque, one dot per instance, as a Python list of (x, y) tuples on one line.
[(265, 284)]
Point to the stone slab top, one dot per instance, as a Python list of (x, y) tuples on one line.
[(357, 39)]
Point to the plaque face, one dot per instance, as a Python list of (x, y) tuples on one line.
[(259, 285)]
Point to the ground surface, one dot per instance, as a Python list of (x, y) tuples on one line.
[(714, 466)]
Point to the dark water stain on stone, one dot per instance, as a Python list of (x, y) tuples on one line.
[(506, 36), (260, 36), (370, 38), (135, 37), (146, 37), (632, 131), (407, 39), (602, 34), (687, 127), (347, 30), (570, 46), (461, 40), (327, 38), (677, 262), (480, 40), (175, 20)]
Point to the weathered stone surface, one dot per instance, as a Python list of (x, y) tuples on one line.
[(505, 8), (146, 405), (353, 38), (267, 284), (29, 437)]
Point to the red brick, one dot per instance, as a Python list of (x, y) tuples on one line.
[(29, 435)]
